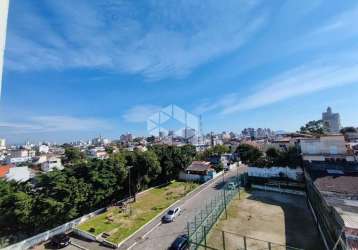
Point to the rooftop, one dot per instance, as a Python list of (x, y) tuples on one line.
[(199, 166), (342, 184), (340, 190), (4, 170)]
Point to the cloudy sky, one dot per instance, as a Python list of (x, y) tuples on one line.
[(75, 69)]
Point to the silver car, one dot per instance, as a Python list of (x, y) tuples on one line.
[(171, 214)]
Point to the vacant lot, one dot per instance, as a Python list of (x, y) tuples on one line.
[(120, 225), (266, 216)]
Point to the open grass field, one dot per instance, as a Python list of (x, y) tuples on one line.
[(266, 216), (120, 225)]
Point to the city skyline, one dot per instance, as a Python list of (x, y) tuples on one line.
[(105, 68)]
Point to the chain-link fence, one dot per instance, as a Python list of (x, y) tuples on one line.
[(202, 235), (223, 240), (209, 214)]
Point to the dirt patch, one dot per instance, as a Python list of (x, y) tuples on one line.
[(266, 216)]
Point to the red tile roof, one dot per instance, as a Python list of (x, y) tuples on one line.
[(4, 170)]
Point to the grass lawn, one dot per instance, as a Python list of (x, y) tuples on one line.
[(121, 225)]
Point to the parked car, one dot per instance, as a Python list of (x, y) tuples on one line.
[(171, 214), (231, 185), (180, 243), (60, 240)]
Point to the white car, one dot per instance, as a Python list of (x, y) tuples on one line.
[(171, 214)]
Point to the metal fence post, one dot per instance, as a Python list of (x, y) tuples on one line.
[(205, 237), (269, 245), (188, 225), (225, 203), (195, 222), (223, 235), (201, 216), (245, 246)]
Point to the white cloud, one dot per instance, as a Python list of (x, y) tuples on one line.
[(140, 113), (53, 124), (158, 40), (296, 82), (328, 72), (344, 23)]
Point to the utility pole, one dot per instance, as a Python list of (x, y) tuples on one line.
[(129, 188)]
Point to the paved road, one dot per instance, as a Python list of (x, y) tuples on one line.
[(158, 236)]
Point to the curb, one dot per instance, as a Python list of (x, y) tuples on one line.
[(158, 215), (78, 246)]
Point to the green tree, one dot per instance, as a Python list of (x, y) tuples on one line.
[(348, 130), (216, 150), (109, 149), (73, 154), (272, 154), (150, 139), (314, 127), (147, 168), (173, 159), (248, 153)]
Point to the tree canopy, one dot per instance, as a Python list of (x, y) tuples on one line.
[(216, 150), (248, 153), (314, 127), (349, 130), (54, 198)]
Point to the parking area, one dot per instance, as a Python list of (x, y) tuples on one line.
[(76, 244)]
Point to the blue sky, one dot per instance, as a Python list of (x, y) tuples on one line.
[(75, 69)]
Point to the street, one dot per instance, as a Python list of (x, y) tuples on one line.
[(160, 236)]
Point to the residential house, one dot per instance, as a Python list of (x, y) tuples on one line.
[(198, 171), (98, 153), (4, 170), (281, 144), (326, 148), (18, 174), (51, 164), (44, 149)]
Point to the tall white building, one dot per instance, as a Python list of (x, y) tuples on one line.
[(2, 144), (331, 120)]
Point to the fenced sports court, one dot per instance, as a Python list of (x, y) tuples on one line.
[(204, 234)]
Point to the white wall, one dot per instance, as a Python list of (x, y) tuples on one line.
[(19, 174), (326, 145), (4, 7), (37, 239), (294, 174)]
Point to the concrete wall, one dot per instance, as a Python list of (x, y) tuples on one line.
[(325, 145), (191, 177), (278, 189), (294, 174), (84, 234), (37, 239)]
